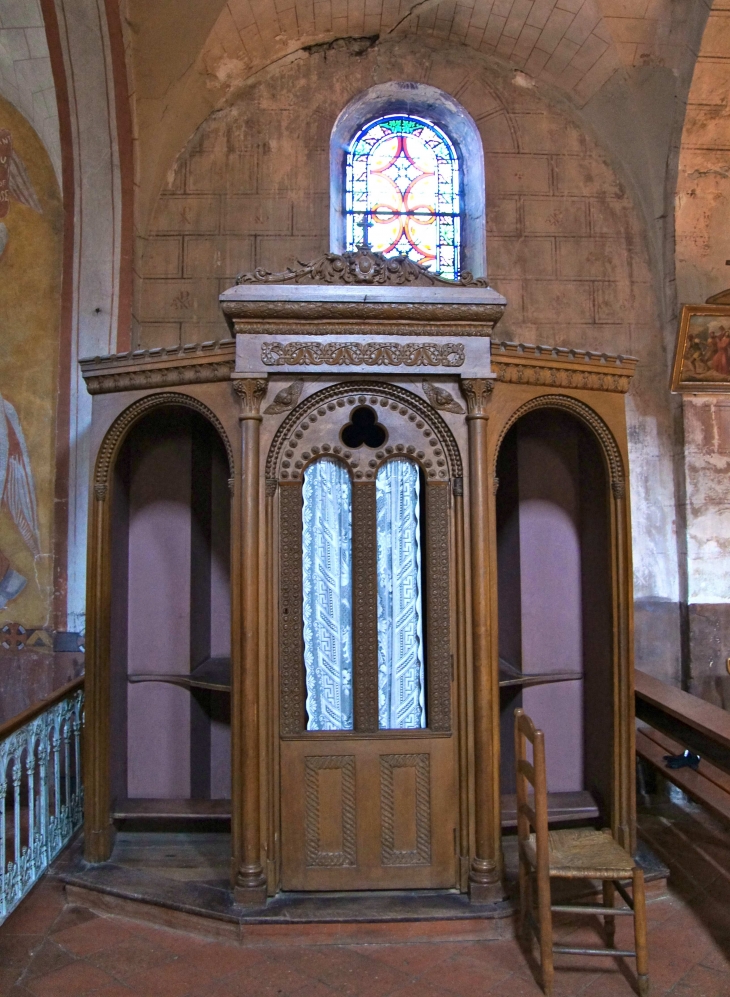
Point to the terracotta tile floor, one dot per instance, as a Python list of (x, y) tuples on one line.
[(49, 948)]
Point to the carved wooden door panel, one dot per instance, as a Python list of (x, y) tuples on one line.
[(364, 813), (369, 788)]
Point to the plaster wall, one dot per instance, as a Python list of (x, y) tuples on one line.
[(702, 207), (565, 243), (707, 460)]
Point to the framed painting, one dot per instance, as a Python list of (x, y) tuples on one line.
[(702, 360)]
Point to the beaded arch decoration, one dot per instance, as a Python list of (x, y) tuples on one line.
[(586, 415), (413, 428), (117, 432)]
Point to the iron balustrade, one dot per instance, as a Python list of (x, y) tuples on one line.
[(41, 791)]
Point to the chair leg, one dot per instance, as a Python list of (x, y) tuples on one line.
[(642, 966), (524, 880), (609, 922), (545, 920)]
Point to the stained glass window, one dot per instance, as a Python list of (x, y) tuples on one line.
[(402, 193)]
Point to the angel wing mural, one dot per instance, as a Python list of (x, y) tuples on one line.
[(14, 183), (17, 496)]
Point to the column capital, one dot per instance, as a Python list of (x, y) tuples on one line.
[(251, 392), (477, 392)]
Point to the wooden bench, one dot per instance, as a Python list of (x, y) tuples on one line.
[(677, 721)]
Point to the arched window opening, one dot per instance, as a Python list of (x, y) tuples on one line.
[(401, 692), (402, 192), (327, 595)]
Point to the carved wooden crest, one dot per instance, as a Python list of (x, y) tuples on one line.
[(360, 266)]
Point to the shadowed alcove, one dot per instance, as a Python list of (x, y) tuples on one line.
[(555, 608), (170, 616)]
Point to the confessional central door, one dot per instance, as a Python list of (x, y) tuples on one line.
[(369, 795)]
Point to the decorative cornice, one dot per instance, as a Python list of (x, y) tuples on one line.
[(477, 391), (345, 318), (251, 391), (195, 363), (559, 377), (362, 266), (561, 367), (166, 377)]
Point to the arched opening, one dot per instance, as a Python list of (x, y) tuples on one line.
[(170, 620), (555, 606), (368, 772), (460, 153)]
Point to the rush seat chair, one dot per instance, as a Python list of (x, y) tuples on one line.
[(582, 853)]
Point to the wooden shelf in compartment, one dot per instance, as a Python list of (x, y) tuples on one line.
[(511, 676), (213, 674), (563, 808), (170, 809)]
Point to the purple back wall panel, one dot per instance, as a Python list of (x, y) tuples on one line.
[(550, 580), (158, 752)]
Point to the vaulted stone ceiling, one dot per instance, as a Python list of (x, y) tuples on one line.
[(187, 60)]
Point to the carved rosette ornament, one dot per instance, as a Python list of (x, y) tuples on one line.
[(477, 391), (251, 392), (360, 266)]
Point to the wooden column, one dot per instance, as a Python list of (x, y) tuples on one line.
[(250, 881), (624, 810), (98, 829), (485, 874)]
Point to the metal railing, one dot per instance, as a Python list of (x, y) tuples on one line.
[(41, 791)]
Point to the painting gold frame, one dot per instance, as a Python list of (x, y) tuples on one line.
[(699, 363)]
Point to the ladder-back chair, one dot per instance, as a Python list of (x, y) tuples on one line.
[(582, 853)]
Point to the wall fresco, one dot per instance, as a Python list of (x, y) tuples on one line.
[(30, 278)]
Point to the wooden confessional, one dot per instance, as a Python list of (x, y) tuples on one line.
[(200, 694)]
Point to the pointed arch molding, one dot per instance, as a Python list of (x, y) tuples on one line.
[(586, 414), (415, 429), (125, 420)]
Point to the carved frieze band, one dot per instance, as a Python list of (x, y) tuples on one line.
[(401, 407), (421, 855), (165, 377), (291, 649), (591, 419), (313, 354), (561, 377), (313, 765), (123, 423), (365, 605), (438, 601)]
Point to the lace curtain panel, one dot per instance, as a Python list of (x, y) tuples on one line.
[(400, 638), (327, 595)]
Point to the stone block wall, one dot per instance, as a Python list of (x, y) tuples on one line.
[(252, 190), (565, 244)]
